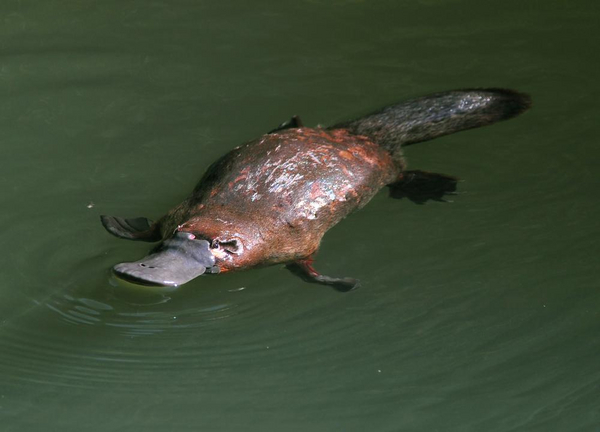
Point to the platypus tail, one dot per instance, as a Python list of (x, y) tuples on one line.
[(436, 115)]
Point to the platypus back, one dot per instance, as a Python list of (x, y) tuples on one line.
[(435, 115)]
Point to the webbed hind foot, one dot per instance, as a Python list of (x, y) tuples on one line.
[(292, 123), (305, 270), (421, 186)]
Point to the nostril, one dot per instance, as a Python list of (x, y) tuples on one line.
[(144, 265)]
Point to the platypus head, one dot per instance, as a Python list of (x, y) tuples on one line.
[(195, 248), (175, 261)]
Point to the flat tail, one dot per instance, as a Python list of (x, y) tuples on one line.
[(438, 114)]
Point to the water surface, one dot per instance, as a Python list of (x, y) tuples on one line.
[(476, 315)]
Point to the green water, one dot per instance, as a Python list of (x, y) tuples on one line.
[(476, 315)]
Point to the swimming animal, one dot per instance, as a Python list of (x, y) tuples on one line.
[(271, 200)]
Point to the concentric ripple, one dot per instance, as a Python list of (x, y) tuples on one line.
[(71, 324)]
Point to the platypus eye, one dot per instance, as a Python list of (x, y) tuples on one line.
[(232, 246)]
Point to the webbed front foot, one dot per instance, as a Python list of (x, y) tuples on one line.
[(140, 228), (305, 270)]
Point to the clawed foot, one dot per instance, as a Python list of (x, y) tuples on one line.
[(304, 270)]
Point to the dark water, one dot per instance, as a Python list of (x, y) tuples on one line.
[(476, 315)]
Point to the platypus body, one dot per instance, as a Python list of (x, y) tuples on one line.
[(271, 200)]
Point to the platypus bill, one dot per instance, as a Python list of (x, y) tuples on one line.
[(270, 201)]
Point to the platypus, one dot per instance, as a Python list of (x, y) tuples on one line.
[(271, 200)]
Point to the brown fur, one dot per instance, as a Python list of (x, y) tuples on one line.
[(271, 200), (278, 195)]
